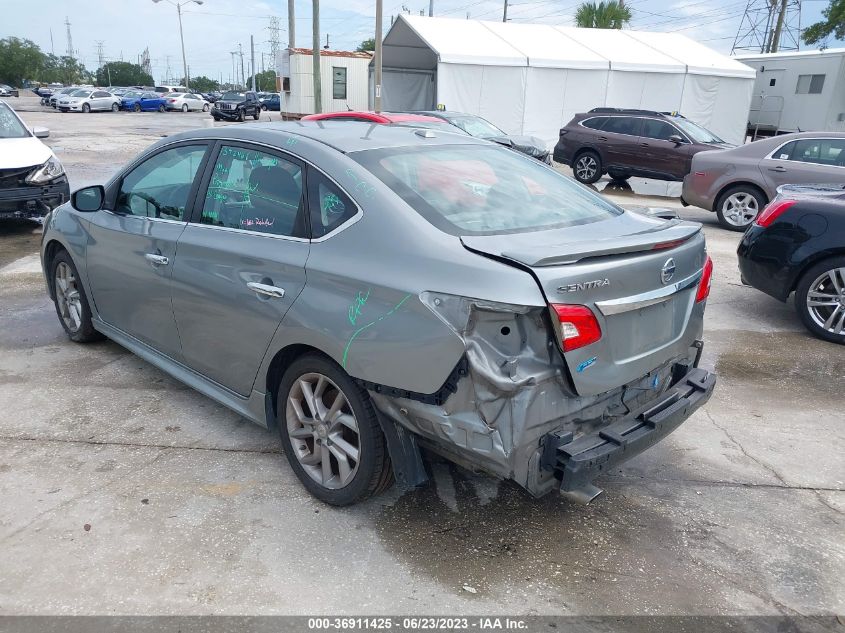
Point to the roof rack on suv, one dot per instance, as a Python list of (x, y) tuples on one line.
[(604, 110)]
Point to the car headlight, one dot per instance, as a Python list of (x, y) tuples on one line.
[(50, 170)]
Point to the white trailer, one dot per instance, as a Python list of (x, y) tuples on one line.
[(797, 91)]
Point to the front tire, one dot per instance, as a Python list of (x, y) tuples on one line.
[(739, 206), (241, 116), (115, 107), (71, 303), (587, 167), (205, 108), (137, 107), (618, 175), (820, 300), (257, 115), (86, 108), (330, 433)]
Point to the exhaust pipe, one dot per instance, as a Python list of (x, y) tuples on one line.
[(583, 495)]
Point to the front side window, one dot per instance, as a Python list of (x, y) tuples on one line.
[(818, 151), (159, 187), (660, 130), (809, 84), (255, 191), (329, 206), (622, 125), (338, 82), (473, 190)]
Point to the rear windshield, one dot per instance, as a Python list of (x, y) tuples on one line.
[(480, 190), (234, 96)]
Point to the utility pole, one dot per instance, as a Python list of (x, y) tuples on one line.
[(182, 39), (234, 72), (69, 38), (377, 57), (243, 75), (252, 59), (430, 8), (52, 47), (291, 25), (99, 53), (778, 27), (315, 52), (505, 13)]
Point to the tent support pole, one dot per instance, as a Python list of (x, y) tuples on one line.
[(377, 58)]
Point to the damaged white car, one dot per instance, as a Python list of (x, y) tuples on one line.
[(369, 291)]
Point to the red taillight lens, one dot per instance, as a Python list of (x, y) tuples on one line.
[(664, 245), (773, 212), (706, 280), (578, 326)]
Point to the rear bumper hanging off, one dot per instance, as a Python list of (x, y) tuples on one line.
[(578, 461)]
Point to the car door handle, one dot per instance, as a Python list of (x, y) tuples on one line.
[(156, 259), (644, 145), (264, 289), (602, 138), (778, 168)]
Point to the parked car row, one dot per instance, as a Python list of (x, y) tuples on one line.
[(735, 182), (87, 99), (454, 122)]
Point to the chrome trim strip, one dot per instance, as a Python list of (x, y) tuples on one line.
[(646, 299)]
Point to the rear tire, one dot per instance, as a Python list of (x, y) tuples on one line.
[(618, 175), (161, 108), (587, 167), (71, 303), (184, 107), (819, 304), (738, 206), (205, 108), (320, 447)]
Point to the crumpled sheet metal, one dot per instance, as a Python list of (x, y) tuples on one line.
[(516, 390)]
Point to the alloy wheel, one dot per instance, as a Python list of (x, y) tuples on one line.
[(740, 209), (826, 301), (323, 430), (67, 296), (585, 167)]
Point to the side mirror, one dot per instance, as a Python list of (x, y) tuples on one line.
[(40, 132), (88, 199), (677, 139)]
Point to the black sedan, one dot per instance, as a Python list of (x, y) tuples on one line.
[(797, 244), (482, 128)]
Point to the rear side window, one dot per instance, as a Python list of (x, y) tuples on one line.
[(254, 191), (477, 190), (329, 206), (622, 125), (596, 123), (818, 151)]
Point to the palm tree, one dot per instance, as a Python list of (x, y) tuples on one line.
[(612, 14)]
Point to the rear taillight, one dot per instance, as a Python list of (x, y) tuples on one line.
[(706, 280), (578, 326), (664, 245), (773, 212)]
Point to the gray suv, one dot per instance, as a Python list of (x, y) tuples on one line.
[(370, 291)]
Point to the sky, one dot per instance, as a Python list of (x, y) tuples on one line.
[(218, 27)]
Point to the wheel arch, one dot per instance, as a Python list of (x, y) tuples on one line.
[(811, 261), (282, 359), (718, 197), (52, 248)]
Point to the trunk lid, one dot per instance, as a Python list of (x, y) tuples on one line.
[(643, 301)]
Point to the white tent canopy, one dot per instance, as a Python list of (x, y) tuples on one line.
[(532, 78)]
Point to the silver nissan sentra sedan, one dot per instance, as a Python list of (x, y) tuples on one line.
[(371, 291)]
